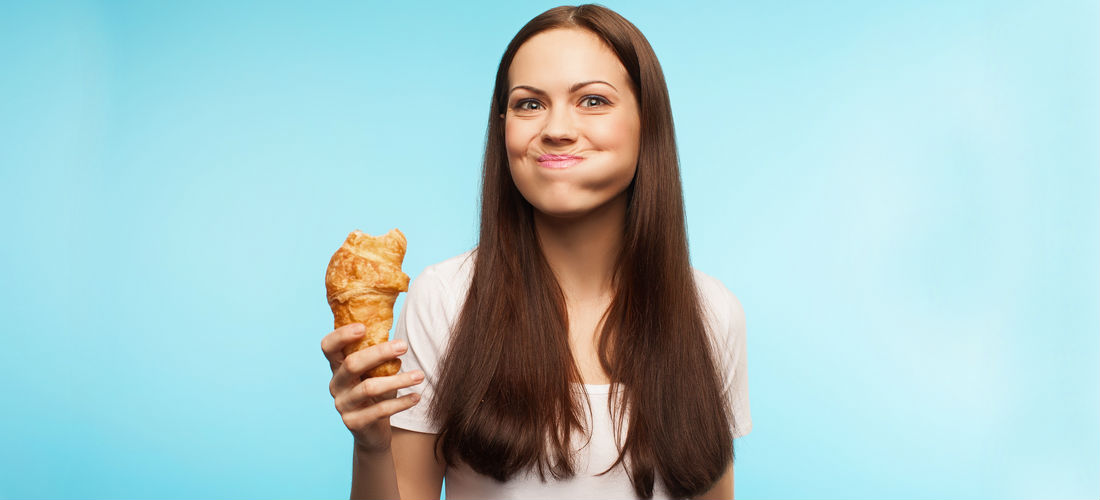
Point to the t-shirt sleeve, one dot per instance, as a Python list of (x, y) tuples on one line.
[(737, 378), (424, 325)]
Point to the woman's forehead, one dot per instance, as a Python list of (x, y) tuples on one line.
[(556, 59)]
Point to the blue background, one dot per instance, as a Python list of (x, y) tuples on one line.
[(904, 196)]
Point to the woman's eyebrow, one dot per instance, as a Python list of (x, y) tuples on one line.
[(571, 89)]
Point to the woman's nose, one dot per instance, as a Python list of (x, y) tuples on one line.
[(559, 125)]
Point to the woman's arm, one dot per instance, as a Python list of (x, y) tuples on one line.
[(407, 470), (723, 489), (419, 473), (372, 475)]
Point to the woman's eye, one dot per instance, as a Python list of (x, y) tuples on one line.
[(599, 100), (520, 105)]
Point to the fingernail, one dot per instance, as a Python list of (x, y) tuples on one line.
[(416, 376), (399, 346)]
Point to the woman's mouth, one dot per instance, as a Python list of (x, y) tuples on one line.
[(559, 161)]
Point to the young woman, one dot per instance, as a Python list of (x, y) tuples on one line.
[(574, 353)]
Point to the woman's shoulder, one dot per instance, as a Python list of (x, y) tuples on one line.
[(720, 305), (450, 277), (455, 268)]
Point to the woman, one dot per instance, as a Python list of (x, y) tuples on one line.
[(575, 353)]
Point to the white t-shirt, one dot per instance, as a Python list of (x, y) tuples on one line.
[(427, 317)]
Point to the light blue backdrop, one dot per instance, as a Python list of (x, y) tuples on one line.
[(904, 196)]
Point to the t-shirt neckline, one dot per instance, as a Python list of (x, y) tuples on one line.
[(597, 388)]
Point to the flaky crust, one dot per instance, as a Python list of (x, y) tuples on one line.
[(362, 281)]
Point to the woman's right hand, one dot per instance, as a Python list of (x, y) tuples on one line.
[(366, 403)]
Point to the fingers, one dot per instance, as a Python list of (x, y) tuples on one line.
[(360, 362), (384, 409), (333, 344), (371, 390)]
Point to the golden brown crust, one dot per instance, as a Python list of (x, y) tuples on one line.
[(362, 282)]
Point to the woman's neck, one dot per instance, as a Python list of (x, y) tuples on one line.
[(582, 251)]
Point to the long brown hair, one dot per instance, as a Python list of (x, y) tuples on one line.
[(505, 396)]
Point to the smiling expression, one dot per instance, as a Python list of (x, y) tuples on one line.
[(572, 128)]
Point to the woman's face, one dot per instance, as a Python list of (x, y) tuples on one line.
[(550, 112)]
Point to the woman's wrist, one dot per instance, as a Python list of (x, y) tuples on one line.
[(371, 451), (373, 474)]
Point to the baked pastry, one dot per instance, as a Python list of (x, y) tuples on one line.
[(363, 279)]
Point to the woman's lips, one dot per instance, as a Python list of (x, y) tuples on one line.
[(559, 161)]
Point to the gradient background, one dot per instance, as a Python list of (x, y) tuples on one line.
[(904, 196)]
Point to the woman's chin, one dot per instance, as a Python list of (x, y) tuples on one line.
[(562, 213), (567, 212)]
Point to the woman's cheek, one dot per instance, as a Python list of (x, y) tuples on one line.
[(621, 135), (605, 135)]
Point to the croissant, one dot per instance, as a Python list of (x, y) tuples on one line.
[(362, 280)]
